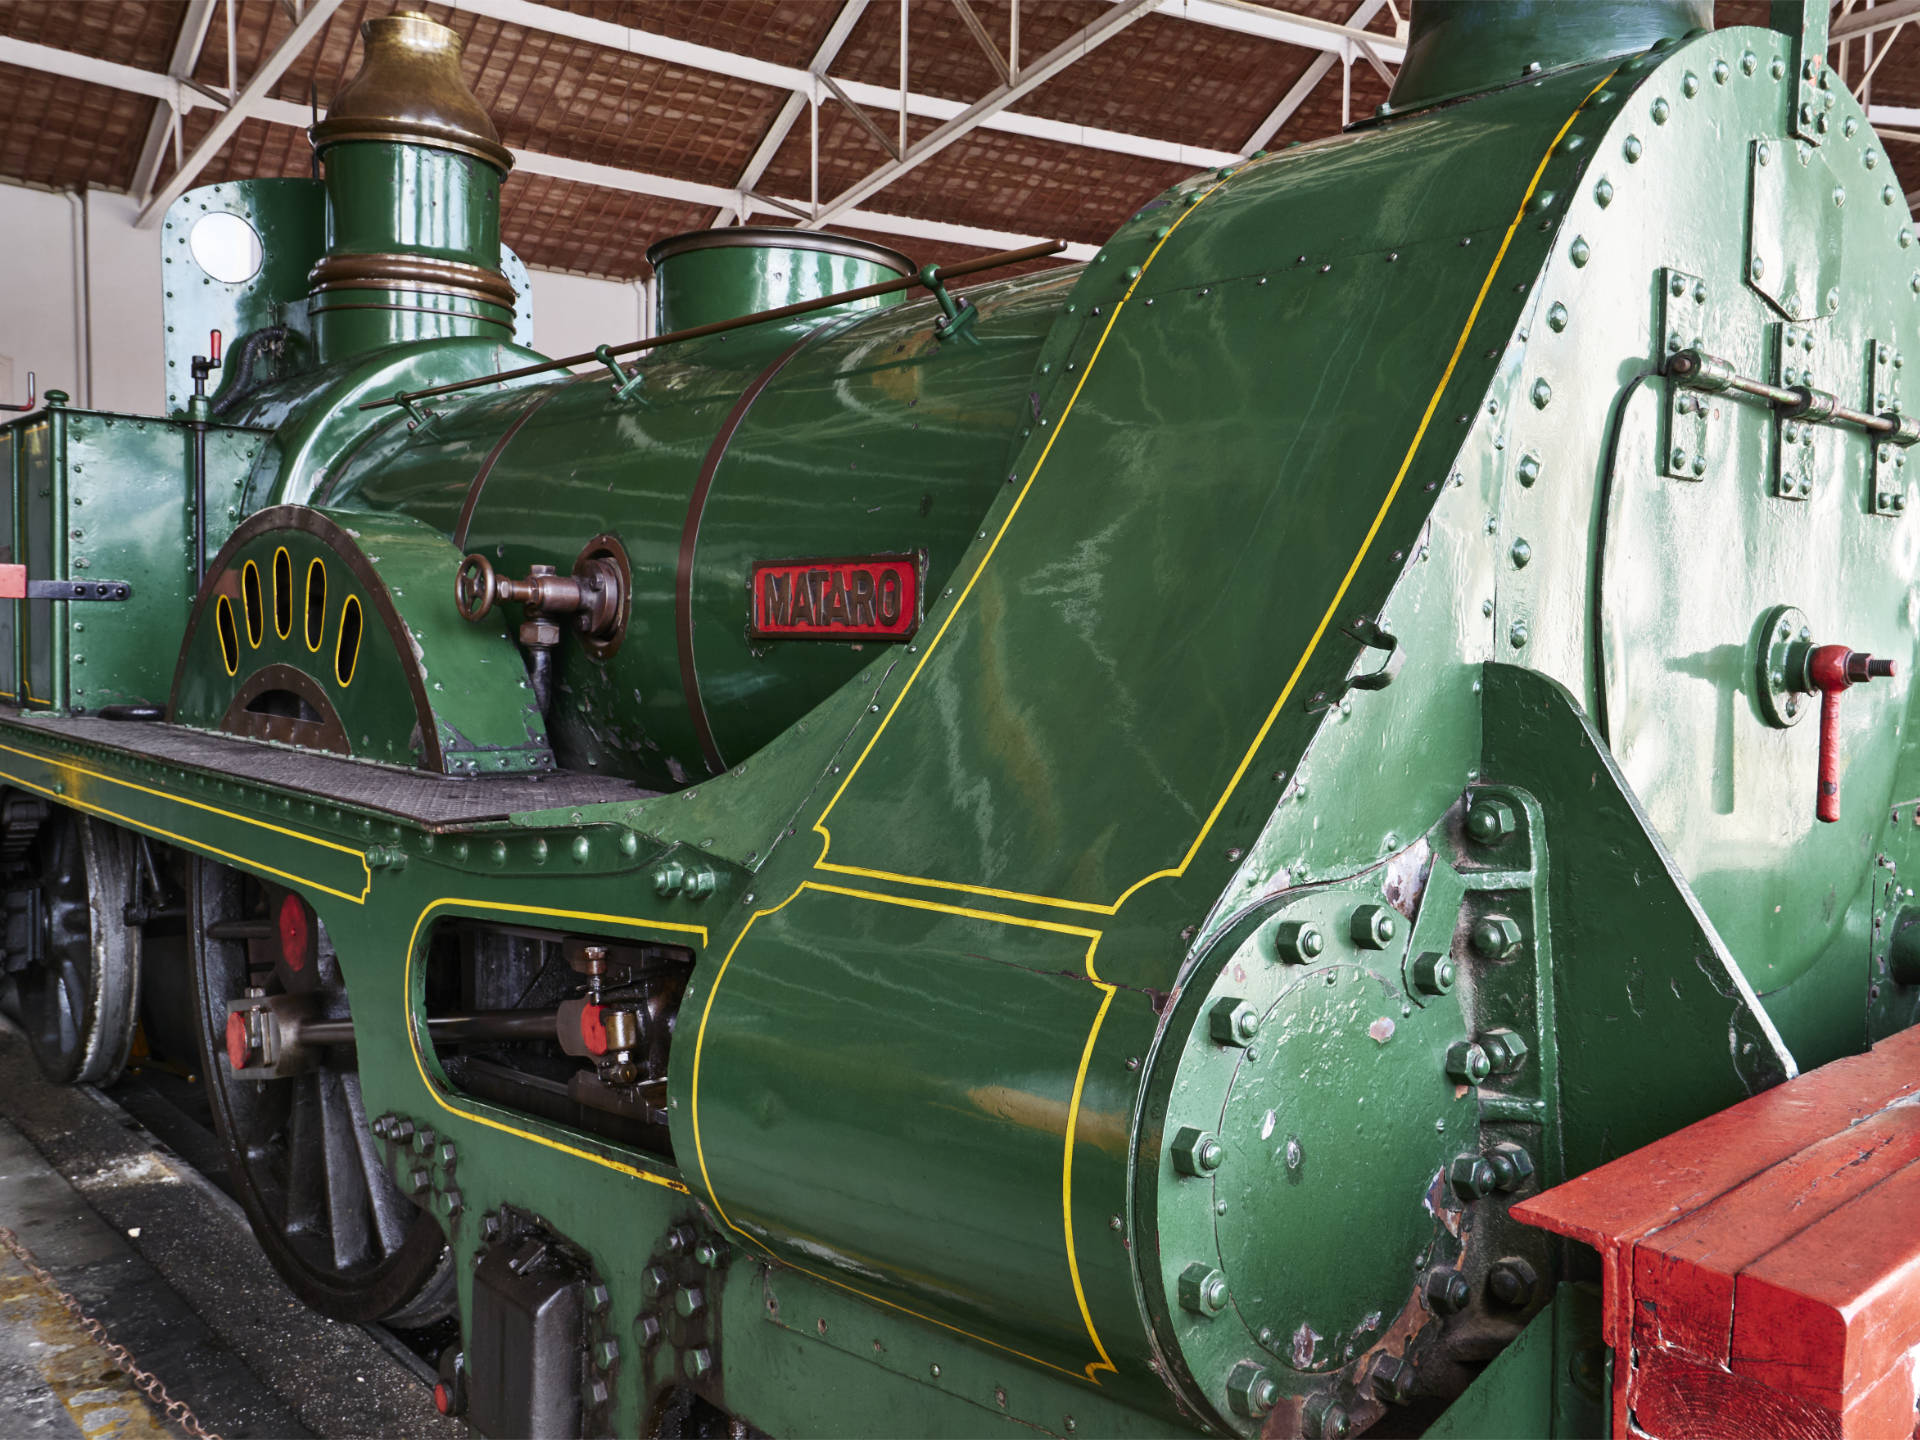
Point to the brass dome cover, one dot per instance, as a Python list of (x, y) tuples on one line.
[(409, 88)]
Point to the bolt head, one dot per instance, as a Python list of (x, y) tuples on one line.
[(1491, 820), (1197, 1152), (1374, 926), (1512, 1166), (1446, 1291), (1471, 1177), (1392, 1380), (697, 1363), (1506, 1051), (606, 1353), (595, 1393), (1324, 1418), (1511, 1282), (1467, 1063), (654, 1281), (1297, 941), (1495, 937), (688, 1301), (1203, 1289), (1233, 1021), (1433, 973), (1251, 1390)]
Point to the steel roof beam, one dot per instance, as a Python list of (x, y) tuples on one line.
[(315, 16), (684, 53), (796, 103), (1245, 18), (1309, 78), (187, 45), (1865, 22), (1073, 48)]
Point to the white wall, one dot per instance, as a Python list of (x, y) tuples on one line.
[(41, 236)]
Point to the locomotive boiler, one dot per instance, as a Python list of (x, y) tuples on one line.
[(1057, 856)]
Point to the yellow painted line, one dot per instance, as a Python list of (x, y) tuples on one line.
[(69, 798), (1333, 606), (1072, 1128), (625, 922)]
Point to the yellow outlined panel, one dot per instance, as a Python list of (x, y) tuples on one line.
[(1326, 619), (74, 791), (1090, 1372), (440, 1097)]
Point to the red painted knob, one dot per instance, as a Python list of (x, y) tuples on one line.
[(1832, 669), (238, 1044)]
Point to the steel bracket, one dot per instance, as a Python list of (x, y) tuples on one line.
[(1690, 413), (1793, 435), (1813, 100), (1885, 366)]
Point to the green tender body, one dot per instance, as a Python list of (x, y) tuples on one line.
[(987, 906)]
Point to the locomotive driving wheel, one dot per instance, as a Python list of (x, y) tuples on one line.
[(299, 1151), (78, 993)]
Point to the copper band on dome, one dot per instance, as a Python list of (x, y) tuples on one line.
[(411, 272)]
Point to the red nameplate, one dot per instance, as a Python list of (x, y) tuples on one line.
[(866, 597)]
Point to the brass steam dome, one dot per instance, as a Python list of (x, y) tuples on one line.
[(409, 88)]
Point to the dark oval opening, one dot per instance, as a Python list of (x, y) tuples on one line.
[(316, 604), (346, 650), (229, 634), (282, 593), (250, 601), (286, 705)]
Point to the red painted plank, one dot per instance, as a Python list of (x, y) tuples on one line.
[(1683, 1275), (1616, 1205), (1829, 1312), (1673, 1398)]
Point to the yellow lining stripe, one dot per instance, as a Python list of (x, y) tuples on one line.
[(625, 922), (1373, 530), (67, 798), (1072, 1128)]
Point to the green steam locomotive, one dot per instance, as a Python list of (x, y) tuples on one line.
[(1050, 859)]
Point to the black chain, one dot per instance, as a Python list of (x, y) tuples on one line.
[(149, 1384)]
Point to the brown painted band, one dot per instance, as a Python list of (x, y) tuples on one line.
[(410, 272), (690, 543), (465, 521)]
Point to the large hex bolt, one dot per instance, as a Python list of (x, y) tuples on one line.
[(654, 1281), (1467, 1063), (689, 1301), (1433, 973), (697, 1363), (1232, 1021), (1373, 927), (1203, 1290), (1250, 1390), (1495, 937), (1197, 1152), (1447, 1291), (1506, 1051), (1297, 941), (1324, 1418), (1490, 820), (1512, 1166), (1392, 1380), (1471, 1177), (1511, 1282)]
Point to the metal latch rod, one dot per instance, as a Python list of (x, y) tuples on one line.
[(1697, 370), (14, 585)]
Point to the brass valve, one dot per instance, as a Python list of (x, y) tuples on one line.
[(596, 597)]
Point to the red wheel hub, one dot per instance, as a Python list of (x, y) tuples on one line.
[(296, 932)]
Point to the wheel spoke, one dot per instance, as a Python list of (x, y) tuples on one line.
[(391, 1212), (347, 1201), (305, 1158)]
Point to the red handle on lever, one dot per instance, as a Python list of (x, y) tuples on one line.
[(1832, 669), (213, 348)]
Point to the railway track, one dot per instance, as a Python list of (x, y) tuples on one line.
[(117, 1193)]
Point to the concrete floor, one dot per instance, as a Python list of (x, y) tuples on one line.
[(163, 1258)]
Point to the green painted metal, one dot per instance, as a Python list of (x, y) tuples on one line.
[(1548, 1384), (719, 274), (289, 219), (351, 610), (1330, 581), (866, 439), (1465, 47)]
